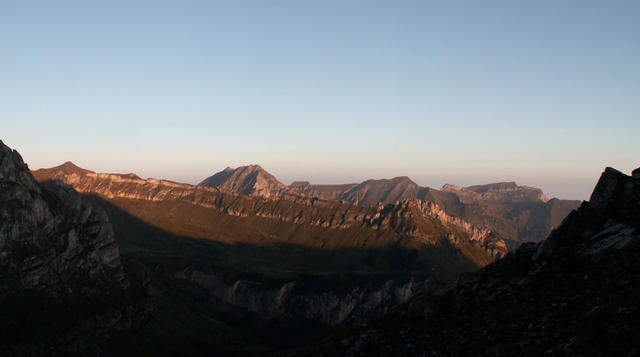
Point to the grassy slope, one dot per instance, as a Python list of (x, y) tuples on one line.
[(279, 249)]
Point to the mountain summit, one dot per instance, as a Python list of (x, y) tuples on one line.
[(58, 172), (247, 180)]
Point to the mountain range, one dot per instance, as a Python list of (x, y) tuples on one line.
[(258, 264), (574, 294), (517, 213), (336, 224)]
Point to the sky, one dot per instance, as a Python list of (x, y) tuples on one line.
[(544, 93)]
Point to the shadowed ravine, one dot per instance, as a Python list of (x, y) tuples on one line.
[(275, 296)]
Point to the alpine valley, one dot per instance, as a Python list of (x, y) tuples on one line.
[(241, 264)]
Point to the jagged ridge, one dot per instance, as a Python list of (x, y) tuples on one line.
[(407, 218), (573, 294)]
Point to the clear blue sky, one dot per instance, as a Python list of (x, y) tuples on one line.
[(546, 93)]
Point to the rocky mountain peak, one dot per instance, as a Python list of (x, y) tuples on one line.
[(70, 167), (13, 169), (247, 180), (403, 179), (636, 173), (61, 171), (615, 189)]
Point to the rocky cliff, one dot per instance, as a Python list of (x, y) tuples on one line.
[(517, 213), (576, 293), (299, 300), (59, 266)]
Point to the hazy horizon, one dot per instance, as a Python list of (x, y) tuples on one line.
[(541, 93), (581, 188)]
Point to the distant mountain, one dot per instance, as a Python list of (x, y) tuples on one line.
[(576, 294), (518, 213), (247, 180), (369, 192), (502, 192), (331, 192)]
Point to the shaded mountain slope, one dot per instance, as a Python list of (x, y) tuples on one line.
[(517, 213), (62, 282), (576, 293), (214, 214)]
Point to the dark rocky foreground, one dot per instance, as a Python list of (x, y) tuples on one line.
[(577, 294), (62, 282)]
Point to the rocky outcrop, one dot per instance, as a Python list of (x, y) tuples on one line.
[(576, 293), (495, 245), (51, 240), (59, 258), (299, 300)]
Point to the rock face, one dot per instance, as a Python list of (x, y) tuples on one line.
[(576, 293), (296, 300), (58, 249), (50, 236), (247, 180)]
